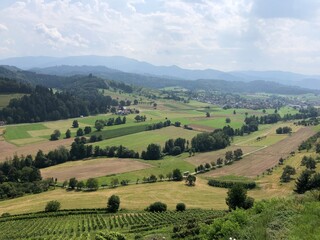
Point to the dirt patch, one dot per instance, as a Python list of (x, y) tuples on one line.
[(93, 168), (256, 163), (208, 157), (8, 150)]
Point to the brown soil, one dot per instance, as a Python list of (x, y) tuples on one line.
[(92, 168), (208, 157), (256, 163)]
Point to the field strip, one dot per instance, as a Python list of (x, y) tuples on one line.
[(93, 168), (257, 150), (256, 163)]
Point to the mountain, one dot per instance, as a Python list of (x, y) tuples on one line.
[(62, 76), (119, 63), (130, 65)]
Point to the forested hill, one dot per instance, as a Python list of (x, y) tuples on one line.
[(12, 86), (43, 104), (73, 96), (161, 82), (70, 82)]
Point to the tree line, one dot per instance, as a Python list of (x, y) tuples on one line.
[(19, 176), (158, 125), (44, 104), (80, 150)]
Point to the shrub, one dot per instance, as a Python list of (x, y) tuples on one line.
[(229, 184), (248, 203), (52, 206), (92, 184), (113, 204), (181, 207), (237, 198), (157, 207), (177, 175)]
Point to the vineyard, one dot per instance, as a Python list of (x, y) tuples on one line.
[(83, 224)]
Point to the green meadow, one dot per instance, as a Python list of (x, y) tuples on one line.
[(139, 141)]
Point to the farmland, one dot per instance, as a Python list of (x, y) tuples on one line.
[(257, 162), (29, 138), (93, 168), (82, 225)]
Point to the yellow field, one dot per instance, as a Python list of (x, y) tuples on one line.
[(134, 197)]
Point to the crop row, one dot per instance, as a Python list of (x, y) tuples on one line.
[(84, 226)]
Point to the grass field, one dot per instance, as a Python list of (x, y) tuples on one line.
[(138, 196), (140, 141), (219, 122), (133, 197), (163, 166), (22, 131)]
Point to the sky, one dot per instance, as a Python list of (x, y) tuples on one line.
[(197, 34)]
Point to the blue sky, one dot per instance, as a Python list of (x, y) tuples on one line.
[(220, 34)]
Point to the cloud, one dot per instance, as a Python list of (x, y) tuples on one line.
[(226, 35), (285, 9), (55, 38), (3, 27)]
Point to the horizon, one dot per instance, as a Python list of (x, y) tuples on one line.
[(143, 61), (242, 35)]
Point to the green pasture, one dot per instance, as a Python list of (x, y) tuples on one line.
[(219, 122), (140, 141), (108, 132), (122, 95), (14, 132)]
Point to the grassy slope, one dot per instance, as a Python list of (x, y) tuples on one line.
[(134, 197)]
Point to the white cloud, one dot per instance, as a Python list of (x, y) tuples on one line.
[(227, 35), (55, 38), (3, 27)]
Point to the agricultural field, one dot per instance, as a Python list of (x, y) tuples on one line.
[(85, 225), (93, 168), (133, 197), (25, 139), (139, 141), (256, 163)]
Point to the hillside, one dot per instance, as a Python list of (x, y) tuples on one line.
[(62, 79), (130, 65)]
